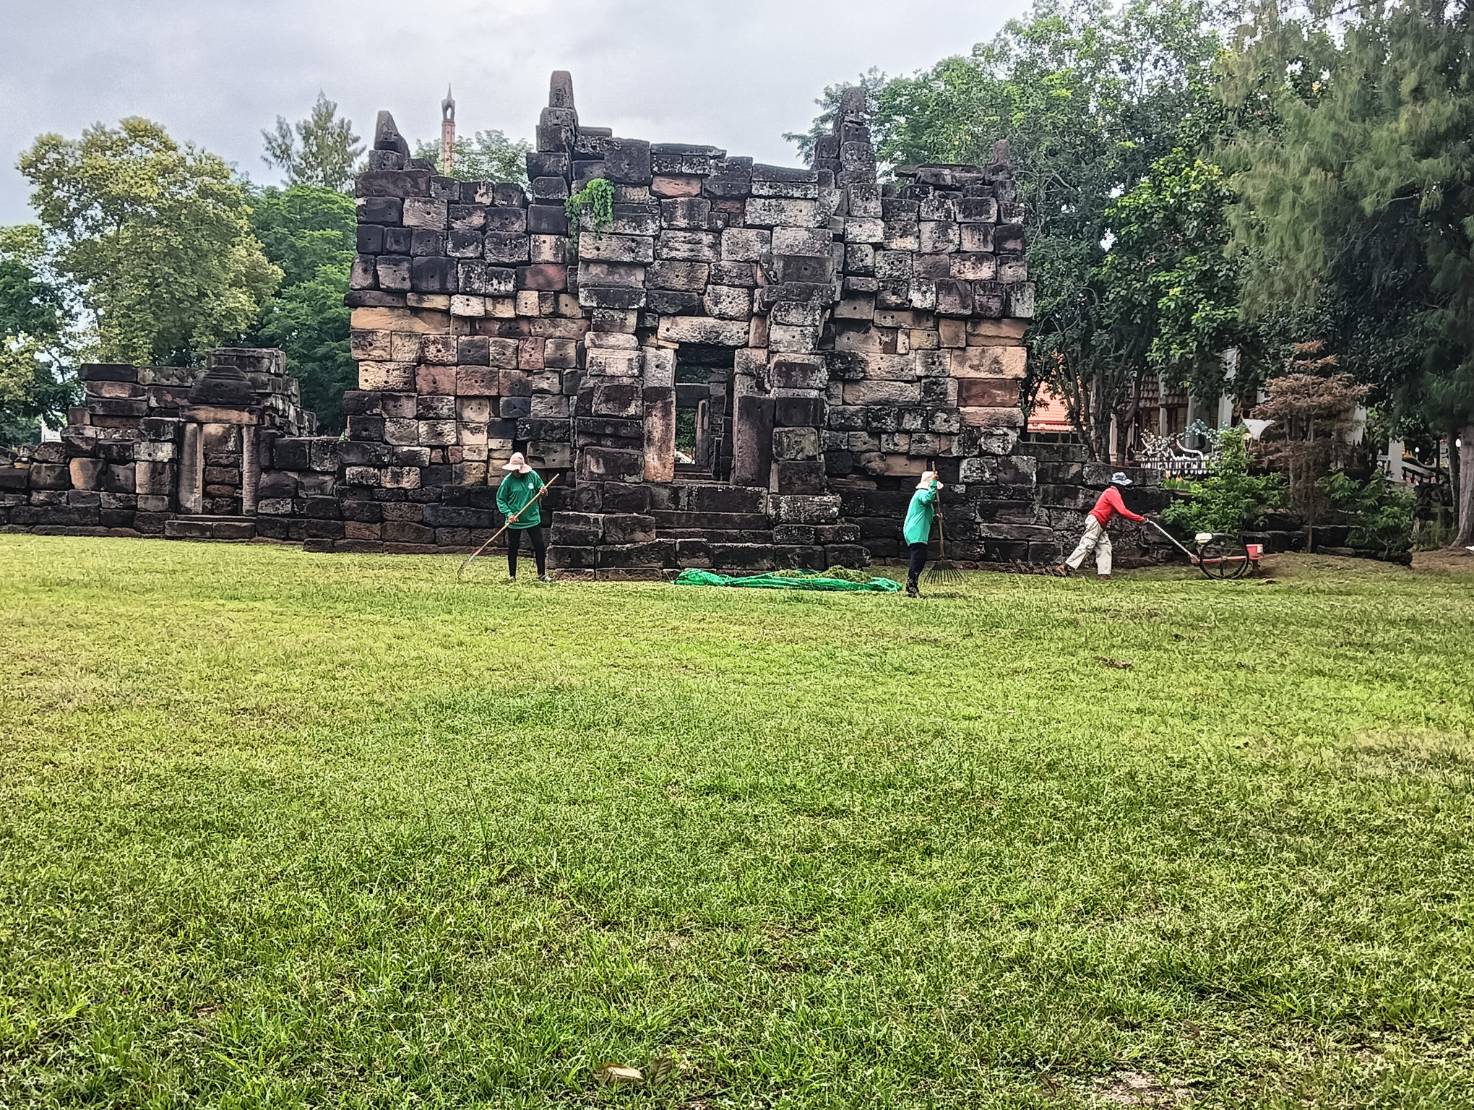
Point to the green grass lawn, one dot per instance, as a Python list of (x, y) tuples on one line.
[(279, 829)]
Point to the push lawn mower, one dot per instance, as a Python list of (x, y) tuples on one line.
[(1218, 554)]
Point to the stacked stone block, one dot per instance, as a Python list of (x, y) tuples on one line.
[(149, 444)]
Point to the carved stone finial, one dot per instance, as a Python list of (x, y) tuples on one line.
[(387, 136), (560, 89), (852, 105)]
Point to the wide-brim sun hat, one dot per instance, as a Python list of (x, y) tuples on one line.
[(927, 478), (1119, 479), (517, 462)]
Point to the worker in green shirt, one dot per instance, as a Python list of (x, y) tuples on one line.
[(517, 498), (917, 528)]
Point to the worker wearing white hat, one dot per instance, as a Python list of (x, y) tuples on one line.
[(517, 498)]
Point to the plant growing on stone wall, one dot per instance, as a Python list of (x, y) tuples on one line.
[(597, 199)]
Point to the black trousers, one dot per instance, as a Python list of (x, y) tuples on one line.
[(918, 561), (539, 548)]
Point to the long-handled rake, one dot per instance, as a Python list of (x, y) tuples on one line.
[(510, 521), (942, 571)]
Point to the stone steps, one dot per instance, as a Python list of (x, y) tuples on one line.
[(222, 529), (666, 519), (717, 535)]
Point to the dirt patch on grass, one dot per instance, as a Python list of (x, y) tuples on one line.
[(1139, 1088)]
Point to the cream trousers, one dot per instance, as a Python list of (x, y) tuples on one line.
[(1095, 538)]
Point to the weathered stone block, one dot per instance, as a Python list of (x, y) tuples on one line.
[(728, 302), (693, 246), (615, 248), (547, 277), (610, 464), (392, 376), (435, 379), (477, 381), (617, 398), (988, 392), (426, 212), (695, 329), (687, 276), (1009, 238), (676, 185), (976, 238), (380, 210), (781, 212), (477, 277), (627, 161), (509, 248), (989, 362), (686, 212)]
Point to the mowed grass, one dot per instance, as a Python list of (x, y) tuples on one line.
[(279, 829)]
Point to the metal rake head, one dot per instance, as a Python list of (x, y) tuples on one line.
[(943, 572)]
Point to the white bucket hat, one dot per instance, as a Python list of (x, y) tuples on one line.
[(1119, 479), (927, 478), (517, 462)]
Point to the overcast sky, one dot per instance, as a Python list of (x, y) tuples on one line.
[(736, 74)]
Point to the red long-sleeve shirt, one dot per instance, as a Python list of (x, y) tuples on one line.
[(1109, 505)]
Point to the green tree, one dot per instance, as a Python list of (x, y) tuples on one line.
[(33, 380), (152, 238), (484, 156), (1170, 290), (310, 234), (321, 150), (1357, 191)]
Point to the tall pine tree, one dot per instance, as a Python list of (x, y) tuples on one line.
[(1356, 179)]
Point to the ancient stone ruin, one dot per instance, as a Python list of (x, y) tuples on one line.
[(748, 367)]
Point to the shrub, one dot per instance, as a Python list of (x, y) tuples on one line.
[(1230, 499), (1380, 516)]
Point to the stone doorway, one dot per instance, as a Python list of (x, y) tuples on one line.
[(704, 412)]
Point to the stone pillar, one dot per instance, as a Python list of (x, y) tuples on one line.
[(250, 469), (658, 404), (752, 421), (191, 470)]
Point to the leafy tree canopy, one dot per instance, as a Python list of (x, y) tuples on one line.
[(153, 238), (33, 383), (310, 234), (1356, 180)]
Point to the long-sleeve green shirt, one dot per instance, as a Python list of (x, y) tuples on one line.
[(515, 494), (919, 514)]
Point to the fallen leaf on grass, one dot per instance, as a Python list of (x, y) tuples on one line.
[(619, 1075), (1118, 664)]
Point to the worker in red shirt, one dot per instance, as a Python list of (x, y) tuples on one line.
[(1096, 537)]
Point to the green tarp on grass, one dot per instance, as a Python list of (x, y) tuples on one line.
[(787, 582)]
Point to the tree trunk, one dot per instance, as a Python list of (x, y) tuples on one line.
[(1463, 489)]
